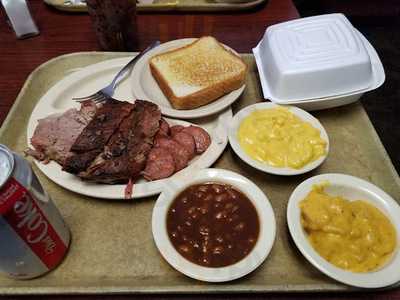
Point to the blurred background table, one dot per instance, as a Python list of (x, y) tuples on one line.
[(63, 33)]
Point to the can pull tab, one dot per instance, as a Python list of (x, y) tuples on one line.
[(20, 18)]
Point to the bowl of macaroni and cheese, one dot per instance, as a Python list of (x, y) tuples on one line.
[(281, 140), (348, 228)]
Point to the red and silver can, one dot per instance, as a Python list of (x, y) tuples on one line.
[(34, 238)]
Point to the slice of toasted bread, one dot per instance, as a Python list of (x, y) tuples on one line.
[(198, 73)]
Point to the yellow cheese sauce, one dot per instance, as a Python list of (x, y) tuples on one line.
[(352, 235), (279, 138)]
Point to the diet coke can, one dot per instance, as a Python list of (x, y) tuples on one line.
[(34, 237)]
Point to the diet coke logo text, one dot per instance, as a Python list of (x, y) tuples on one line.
[(23, 213), (34, 221)]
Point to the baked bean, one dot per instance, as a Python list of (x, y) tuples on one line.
[(203, 188), (200, 195), (221, 197), (184, 248), (204, 210), (218, 189), (208, 198), (239, 227), (204, 230), (232, 194), (212, 224), (218, 250), (219, 215), (191, 210)]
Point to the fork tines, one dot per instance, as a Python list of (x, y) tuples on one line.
[(96, 97)]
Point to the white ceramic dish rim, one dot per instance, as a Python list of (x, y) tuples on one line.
[(386, 276), (140, 91), (305, 116), (105, 191), (378, 77), (246, 265)]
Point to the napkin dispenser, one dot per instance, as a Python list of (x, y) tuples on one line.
[(20, 18)]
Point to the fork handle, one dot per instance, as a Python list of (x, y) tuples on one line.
[(125, 69)]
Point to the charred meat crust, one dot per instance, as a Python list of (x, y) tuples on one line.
[(94, 137), (124, 157), (106, 120)]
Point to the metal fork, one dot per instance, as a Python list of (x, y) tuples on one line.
[(107, 92)]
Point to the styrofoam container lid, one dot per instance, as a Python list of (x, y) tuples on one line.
[(378, 74), (313, 57)]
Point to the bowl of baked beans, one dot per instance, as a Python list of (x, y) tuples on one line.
[(216, 226)]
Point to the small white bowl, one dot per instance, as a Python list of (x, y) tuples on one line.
[(243, 267), (303, 115), (351, 188)]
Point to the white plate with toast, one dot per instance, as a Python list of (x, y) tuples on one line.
[(145, 86), (90, 79)]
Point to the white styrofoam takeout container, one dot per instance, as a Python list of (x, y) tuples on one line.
[(309, 63)]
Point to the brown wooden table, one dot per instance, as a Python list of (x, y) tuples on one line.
[(63, 33)]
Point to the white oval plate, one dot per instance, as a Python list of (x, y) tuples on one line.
[(246, 265), (303, 115), (351, 188), (87, 81), (145, 87)]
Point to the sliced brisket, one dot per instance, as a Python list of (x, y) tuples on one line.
[(124, 157), (55, 134), (90, 143), (107, 119)]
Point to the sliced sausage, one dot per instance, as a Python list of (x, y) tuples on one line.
[(201, 137), (187, 141), (160, 164), (164, 127), (163, 130), (175, 129), (160, 134), (178, 152)]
